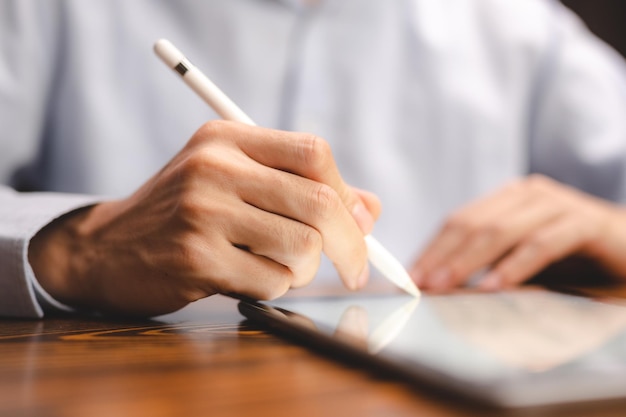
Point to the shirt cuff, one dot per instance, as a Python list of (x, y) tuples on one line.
[(22, 216), (47, 302)]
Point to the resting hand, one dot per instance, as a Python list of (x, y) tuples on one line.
[(240, 210), (520, 230)]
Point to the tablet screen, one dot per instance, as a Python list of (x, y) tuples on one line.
[(519, 348)]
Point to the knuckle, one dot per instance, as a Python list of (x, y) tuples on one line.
[(305, 250), (325, 201), (459, 225), (211, 130), (538, 182), (308, 242), (315, 152), (494, 230), (195, 162), (188, 253), (204, 163), (188, 205)]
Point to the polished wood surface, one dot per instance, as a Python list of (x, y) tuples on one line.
[(203, 360)]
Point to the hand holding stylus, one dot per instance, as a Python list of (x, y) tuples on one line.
[(239, 210), (228, 110)]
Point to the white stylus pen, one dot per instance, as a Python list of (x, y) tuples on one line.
[(389, 266)]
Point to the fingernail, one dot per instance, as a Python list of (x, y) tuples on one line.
[(490, 282), (363, 277), (363, 217)]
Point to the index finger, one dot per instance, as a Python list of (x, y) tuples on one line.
[(305, 155)]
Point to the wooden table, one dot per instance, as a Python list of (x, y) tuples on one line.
[(202, 360)]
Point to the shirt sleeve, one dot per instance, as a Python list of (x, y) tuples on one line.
[(22, 215), (578, 133)]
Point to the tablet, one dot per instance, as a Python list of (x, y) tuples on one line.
[(523, 348)]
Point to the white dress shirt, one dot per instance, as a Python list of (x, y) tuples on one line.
[(428, 103)]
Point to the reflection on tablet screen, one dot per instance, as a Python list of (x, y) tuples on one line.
[(526, 346)]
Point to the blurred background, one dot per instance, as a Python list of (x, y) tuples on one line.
[(606, 18)]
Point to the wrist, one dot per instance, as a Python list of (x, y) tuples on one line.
[(57, 257)]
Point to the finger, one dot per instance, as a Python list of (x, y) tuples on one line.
[(318, 206), (563, 237), (432, 268), (499, 236), (293, 175), (354, 325), (250, 275), (283, 240), (202, 249), (303, 154)]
